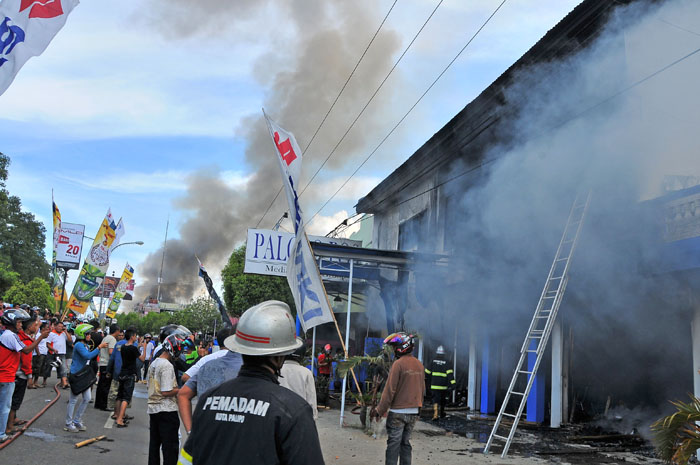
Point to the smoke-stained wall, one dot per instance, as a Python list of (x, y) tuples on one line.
[(598, 119)]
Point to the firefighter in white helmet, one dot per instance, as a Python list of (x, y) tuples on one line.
[(442, 381), (252, 419)]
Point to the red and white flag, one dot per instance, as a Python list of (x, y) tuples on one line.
[(303, 276), (26, 28)]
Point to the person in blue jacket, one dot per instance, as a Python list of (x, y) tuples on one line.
[(81, 356)]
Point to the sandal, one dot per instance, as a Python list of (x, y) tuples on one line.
[(128, 417), (122, 425), (20, 422)]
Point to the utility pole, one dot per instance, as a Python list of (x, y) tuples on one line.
[(162, 261)]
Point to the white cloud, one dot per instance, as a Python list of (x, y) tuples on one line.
[(145, 183), (322, 225)]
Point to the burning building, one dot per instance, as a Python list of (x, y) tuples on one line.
[(603, 103)]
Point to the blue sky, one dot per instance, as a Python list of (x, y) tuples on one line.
[(119, 110)]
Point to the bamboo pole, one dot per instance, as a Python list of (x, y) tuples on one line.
[(89, 441), (337, 328)]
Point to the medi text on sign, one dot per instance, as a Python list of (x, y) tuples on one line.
[(267, 251)]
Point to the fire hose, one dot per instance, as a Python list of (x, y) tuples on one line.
[(29, 423)]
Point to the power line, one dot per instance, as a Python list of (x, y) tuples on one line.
[(334, 102), (349, 77), (412, 107), (371, 98), (558, 125), (494, 97)]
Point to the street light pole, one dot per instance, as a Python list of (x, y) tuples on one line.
[(102, 290)]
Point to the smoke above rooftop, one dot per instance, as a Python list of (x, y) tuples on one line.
[(305, 52)]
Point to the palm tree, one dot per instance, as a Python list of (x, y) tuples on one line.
[(677, 436)]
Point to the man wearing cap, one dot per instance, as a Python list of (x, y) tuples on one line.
[(252, 419)]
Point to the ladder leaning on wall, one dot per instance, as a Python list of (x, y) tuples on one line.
[(541, 325)]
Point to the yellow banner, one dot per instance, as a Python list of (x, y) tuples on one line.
[(57, 275), (120, 291), (94, 267)]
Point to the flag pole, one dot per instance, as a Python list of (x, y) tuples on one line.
[(337, 328)]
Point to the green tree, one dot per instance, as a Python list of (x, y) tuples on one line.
[(150, 323), (243, 290), (22, 237), (7, 278), (34, 293), (199, 315)]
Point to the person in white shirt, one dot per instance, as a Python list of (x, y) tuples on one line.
[(298, 378), (149, 354), (57, 341), (194, 369)]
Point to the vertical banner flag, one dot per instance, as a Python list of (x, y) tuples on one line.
[(57, 274), (94, 267), (302, 273), (26, 28), (212, 292), (119, 232), (120, 292)]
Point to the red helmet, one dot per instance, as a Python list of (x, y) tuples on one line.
[(402, 342), (327, 348)]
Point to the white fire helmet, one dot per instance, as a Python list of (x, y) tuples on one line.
[(265, 329), (440, 350)]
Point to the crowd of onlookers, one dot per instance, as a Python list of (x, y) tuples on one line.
[(107, 362)]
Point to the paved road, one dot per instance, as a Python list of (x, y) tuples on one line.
[(46, 441)]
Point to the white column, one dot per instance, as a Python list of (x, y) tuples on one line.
[(347, 343), (557, 391), (454, 367), (420, 350), (695, 330), (471, 382), (313, 350)]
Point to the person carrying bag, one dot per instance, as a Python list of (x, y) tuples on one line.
[(82, 377)]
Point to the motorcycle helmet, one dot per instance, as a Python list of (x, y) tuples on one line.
[(401, 342), (167, 330), (12, 316), (174, 345)]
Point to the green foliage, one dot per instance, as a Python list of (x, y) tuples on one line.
[(7, 278), (34, 293), (677, 436), (150, 323), (242, 290), (22, 237), (382, 361), (199, 315)]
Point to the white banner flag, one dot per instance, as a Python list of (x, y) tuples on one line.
[(302, 273), (26, 28), (290, 165)]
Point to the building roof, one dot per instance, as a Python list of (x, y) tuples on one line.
[(474, 127)]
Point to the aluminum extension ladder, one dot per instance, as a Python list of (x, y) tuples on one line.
[(541, 324)]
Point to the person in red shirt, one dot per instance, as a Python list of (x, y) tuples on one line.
[(24, 373), (325, 361), (10, 348)]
